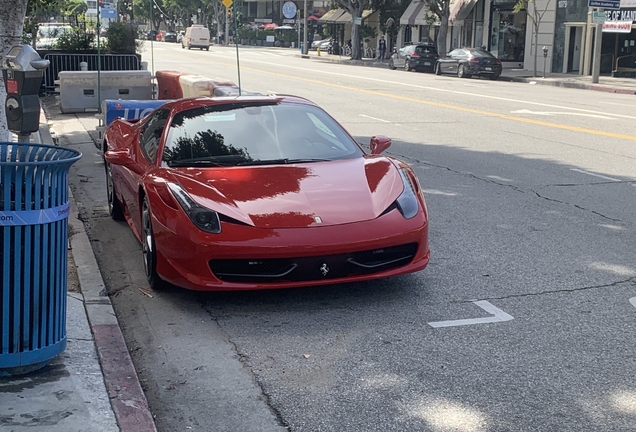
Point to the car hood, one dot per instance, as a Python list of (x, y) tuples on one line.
[(297, 195)]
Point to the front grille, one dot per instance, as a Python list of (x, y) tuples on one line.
[(276, 270)]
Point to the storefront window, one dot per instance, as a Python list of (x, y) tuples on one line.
[(509, 35)]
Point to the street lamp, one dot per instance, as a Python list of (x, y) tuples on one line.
[(545, 59)]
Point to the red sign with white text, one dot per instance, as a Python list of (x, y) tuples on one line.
[(12, 86)]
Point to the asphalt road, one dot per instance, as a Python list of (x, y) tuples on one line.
[(531, 195)]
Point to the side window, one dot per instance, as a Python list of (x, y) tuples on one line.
[(150, 135)]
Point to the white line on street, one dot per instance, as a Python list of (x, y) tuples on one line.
[(595, 175), (499, 316), (549, 113), (485, 96), (375, 118), (633, 301)]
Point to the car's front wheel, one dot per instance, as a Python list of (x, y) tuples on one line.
[(461, 71), (391, 65), (114, 207), (407, 65), (148, 247)]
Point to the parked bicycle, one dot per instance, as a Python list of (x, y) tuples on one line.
[(346, 51), (369, 52)]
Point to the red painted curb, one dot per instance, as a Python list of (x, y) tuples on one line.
[(125, 393)]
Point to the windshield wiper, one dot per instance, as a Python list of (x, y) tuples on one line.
[(284, 161), (191, 163)]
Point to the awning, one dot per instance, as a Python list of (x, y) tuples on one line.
[(461, 10), (415, 14), (346, 16), (332, 15)]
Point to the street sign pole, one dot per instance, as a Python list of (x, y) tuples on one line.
[(305, 47), (596, 64)]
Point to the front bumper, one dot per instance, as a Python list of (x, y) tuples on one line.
[(186, 256)]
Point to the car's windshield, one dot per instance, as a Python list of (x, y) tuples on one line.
[(255, 134), (481, 53), (53, 31)]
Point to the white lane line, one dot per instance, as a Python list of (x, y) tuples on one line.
[(633, 301), (595, 175), (437, 89), (549, 113), (499, 316), (375, 118)]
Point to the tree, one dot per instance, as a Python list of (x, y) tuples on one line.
[(535, 15), (441, 8), (12, 14), (390, 12), (355, 8)]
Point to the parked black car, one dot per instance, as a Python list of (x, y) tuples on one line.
[(418, 57), (466, 62), (151, 35), (170, 37)]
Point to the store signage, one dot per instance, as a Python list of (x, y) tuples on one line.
[(617, 27), (628, 3), (621, 15), (289, 9), (606, 4), (598, 17)]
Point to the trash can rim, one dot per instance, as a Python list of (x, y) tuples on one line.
[(73, 157)]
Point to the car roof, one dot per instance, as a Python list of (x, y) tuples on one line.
[(197, 102)]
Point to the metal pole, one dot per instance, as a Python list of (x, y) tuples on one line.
[(152, 39), (298, 19), (226, 38), (596, 65), (99, 63), (587, 53), (238, 66), (305, 47)]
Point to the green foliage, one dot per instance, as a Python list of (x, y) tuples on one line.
[(76, 40), (367, 32), (121, 38)]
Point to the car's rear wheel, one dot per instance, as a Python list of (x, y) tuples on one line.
[(148, 247), (438, 69), (391, 65), (407, 65), (461, 72), (114, 207)]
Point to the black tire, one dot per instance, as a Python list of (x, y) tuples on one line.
[(438, 69), (391, 65), (461, 72), (493, 77), (207, 49), (148, 248), (407, 65), (189, 47), (114, 206)]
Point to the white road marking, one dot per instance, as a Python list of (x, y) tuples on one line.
[(499, 316), (485, 96), (633, 301), (595, 175), (549, 113), (375, 118)]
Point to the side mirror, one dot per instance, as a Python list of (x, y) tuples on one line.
[(122, 157), (379, 143)]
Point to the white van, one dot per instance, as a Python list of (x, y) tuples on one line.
[(49, 33), (197, 36)]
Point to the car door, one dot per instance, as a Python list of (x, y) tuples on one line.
[(453, 60), (398, 61), (145, 156)]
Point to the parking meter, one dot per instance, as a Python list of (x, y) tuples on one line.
[(22, 70), (545, 57)]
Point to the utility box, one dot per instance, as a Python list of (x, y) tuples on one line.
[(79, 89), (22, 71)]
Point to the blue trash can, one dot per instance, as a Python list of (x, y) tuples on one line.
[(34, 209)]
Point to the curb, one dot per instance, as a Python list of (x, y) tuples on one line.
[(122, 383), (536, 80), (127, 398)]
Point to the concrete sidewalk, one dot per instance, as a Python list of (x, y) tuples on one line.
[(92, 386)]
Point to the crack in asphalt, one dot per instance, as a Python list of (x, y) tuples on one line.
[(527, 191), (565, 290)]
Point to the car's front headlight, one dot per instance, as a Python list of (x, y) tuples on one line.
[(407, 201), (204, 218)]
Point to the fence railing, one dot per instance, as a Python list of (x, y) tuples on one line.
[(71, 62)]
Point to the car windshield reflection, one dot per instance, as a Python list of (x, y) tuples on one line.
[(241, 134)]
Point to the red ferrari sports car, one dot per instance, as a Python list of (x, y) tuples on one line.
[(255, 192)]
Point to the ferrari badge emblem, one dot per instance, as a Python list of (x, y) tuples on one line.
[(324, 269)]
